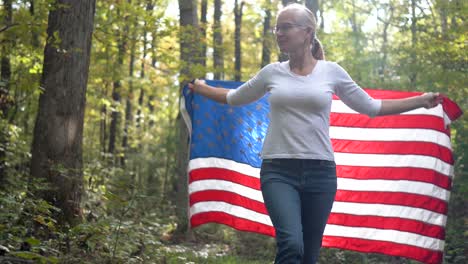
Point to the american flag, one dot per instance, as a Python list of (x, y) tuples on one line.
[(394, 173)]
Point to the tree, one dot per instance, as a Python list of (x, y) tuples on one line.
[(58, 132), (266, 49), (218, 53), (237, 39)]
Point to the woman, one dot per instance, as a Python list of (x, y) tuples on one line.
[(298, 173)]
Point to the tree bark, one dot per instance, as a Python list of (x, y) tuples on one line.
[(188, 47), (117, 85), (58, 131), (237, 40), (414, 20), (5, 78), (266, 49), (203, 24), (218, 51)]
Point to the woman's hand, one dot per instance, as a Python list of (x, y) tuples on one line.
[(195, 85), (430, 100)]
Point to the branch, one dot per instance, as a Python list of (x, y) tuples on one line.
[(8, 26)]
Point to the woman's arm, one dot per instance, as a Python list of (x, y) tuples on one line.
[(396, 106), (214, 93)]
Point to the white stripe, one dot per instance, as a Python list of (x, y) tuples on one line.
[(348, 159), (404, 186), (339, 107), (330, 230), (385, 235), (227, 186), (245, 169), (338, 207), (238, 211), (390, 134), (387, 160), (414, 187), (387, 210)]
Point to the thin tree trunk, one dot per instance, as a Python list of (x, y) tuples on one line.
[(188, 46), (5, 78), (266, 49), (128, 103), (117, 85), (237, 40), (413, 72), (218, 51), (203, 25), (58, 132), (313, 5)]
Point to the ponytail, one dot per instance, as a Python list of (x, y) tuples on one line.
[(317, 50)]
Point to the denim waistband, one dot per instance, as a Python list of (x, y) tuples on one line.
[(304, 161)]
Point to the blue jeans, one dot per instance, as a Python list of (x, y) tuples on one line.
[(298, 194)]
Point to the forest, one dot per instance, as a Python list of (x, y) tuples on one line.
[(93, 147)]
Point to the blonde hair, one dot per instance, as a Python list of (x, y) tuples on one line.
[(307, 18)]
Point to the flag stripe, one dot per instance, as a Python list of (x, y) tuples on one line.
[(364, 195), (379, 222), (353, 208), (395, 198), (395, 121), (388, 134), (394, 147), (383, 247), (394, 223), (392, 173), (387, 160), (330, 230), (238, 223), (388, 235)]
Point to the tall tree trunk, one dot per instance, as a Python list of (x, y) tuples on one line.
[(237, 40), (188, 47), (266, 49), (5, 78), (313, 5), (128, 101), (58, 132), (384, 50), (218, 51), (414, 20), (203, 25), (117, 85)]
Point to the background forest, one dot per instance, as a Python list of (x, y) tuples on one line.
[(118, 194)]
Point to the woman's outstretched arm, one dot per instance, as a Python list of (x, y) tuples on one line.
[(396, 106), (214, 93)]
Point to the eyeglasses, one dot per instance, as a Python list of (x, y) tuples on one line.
[(284, 27)]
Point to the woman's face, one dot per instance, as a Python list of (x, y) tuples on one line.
[(290, 36)]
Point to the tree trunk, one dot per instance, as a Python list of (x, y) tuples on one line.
[(313, 5), (128, 101), (413, 72), (218, 51), (5, 78), (237, 40), (203, 24), (266, 50), (117, 85), (188, 47), (58, 132)]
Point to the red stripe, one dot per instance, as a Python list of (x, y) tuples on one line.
[(393, 147), (224, 174), (386, 94), (350, 172), (383, 247), (400, 224), (393, 198), (386, 122), (232, 221), (452, 110), (395, 173), (228, 197), (394, 223)]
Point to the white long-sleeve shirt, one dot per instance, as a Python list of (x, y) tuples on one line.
[(300, 107)]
